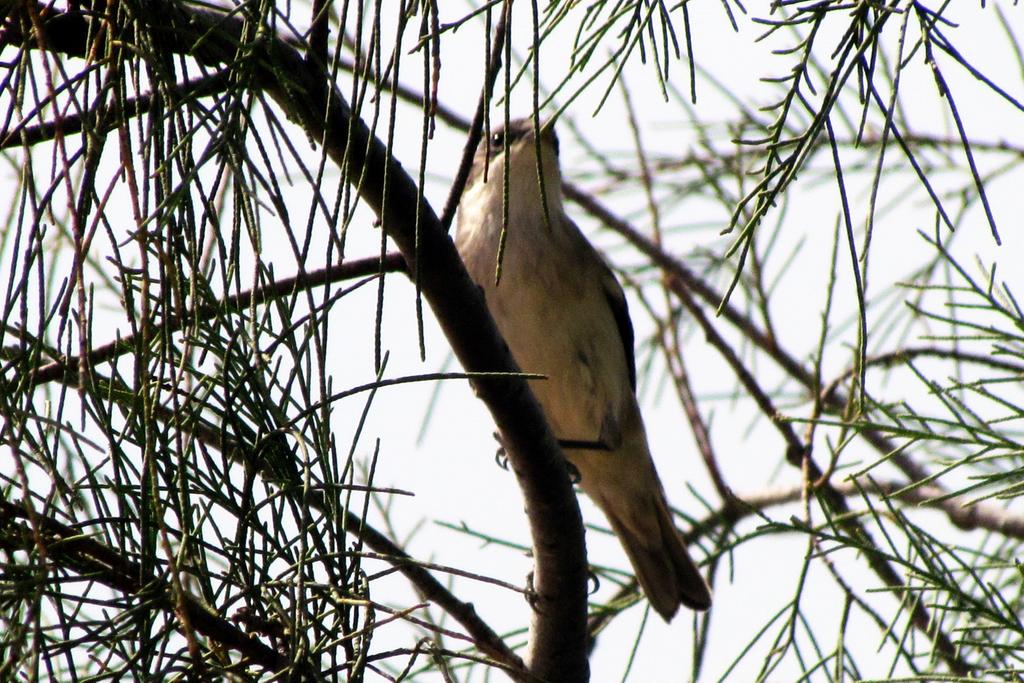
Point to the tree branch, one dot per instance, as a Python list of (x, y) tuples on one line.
[(365, 267), (799, 455), (69, 548), (307, 94), (676, 268), (263, 456), (957, 509)]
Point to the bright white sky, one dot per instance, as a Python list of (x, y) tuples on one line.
[(452, 468), (451, 465)]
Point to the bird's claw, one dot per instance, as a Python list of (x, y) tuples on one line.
[(500, 455), (529, 592)]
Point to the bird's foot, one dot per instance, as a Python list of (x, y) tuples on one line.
[(500, 455)]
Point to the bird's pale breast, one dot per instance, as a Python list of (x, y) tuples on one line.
[(556, 324)]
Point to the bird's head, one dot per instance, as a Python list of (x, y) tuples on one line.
[(517, 147)]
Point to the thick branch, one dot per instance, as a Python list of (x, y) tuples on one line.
[(306, 93), (558, 635)]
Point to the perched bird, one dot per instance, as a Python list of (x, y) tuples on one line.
[(564, 315)]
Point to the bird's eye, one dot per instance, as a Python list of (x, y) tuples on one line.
[(498, 140)]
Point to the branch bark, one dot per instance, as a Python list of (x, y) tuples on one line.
[(306, 93)]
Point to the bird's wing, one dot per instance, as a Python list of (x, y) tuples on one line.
[(613, 294), (620, 310)]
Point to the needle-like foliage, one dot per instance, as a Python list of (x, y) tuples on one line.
[(221, 222)]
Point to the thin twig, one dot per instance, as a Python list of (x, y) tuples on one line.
[(58, 369)]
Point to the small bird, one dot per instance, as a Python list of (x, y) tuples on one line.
[(564, 315)]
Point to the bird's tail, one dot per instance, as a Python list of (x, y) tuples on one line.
[(663, 566)]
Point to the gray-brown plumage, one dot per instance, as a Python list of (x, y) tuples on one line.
[(564, 315)]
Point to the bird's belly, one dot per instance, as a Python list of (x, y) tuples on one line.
[(582, 393)]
